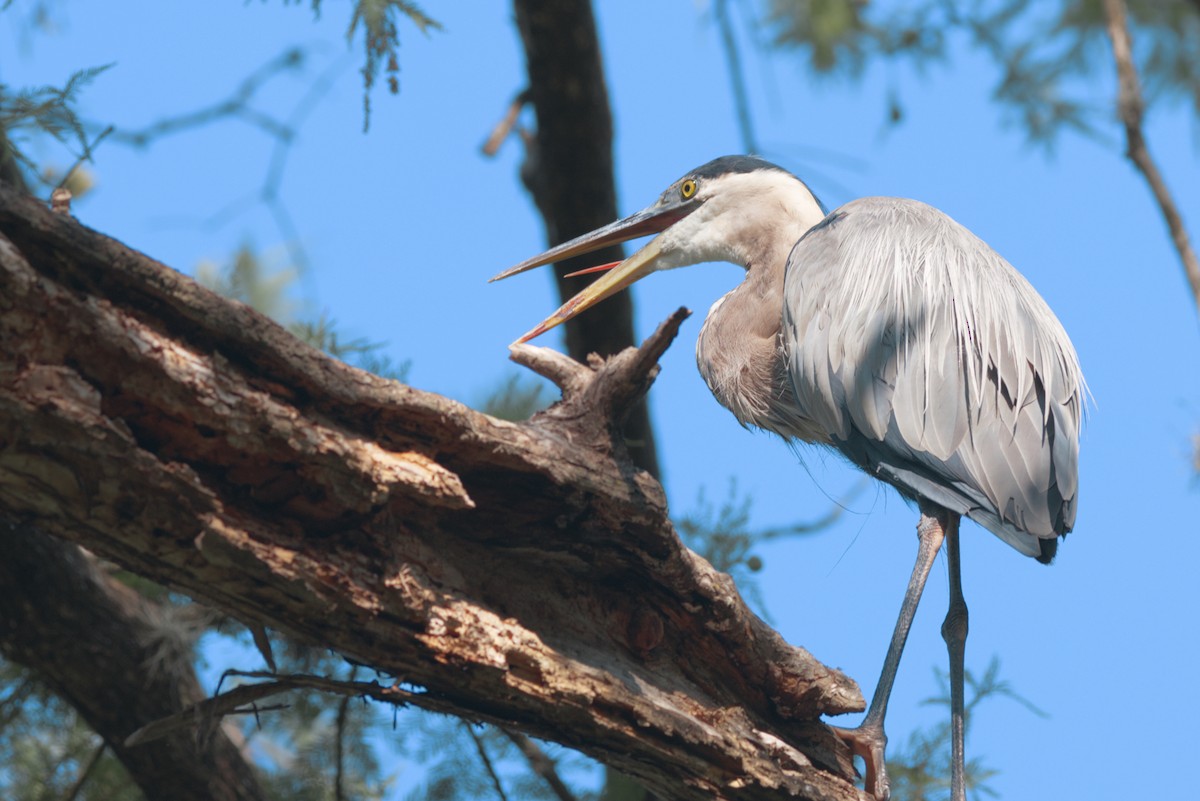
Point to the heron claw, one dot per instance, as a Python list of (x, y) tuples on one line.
[(869, 743)]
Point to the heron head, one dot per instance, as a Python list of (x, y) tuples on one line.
[(710, 214)]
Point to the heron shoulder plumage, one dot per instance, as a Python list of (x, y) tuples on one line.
[(934, 365)]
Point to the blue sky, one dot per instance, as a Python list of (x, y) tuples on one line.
[(404, 225)]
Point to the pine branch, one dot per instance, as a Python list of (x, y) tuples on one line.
[(1131, 108)]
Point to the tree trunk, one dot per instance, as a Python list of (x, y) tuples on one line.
[(522, 574), (569, 171)]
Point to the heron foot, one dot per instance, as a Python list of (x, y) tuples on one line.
[(869, 742)]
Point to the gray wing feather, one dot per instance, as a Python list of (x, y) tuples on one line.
[(932, 363)]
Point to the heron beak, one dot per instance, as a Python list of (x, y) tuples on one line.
[(621, 274), (624, 273)]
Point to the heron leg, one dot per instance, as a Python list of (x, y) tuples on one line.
[(954, 632), (868, 739)]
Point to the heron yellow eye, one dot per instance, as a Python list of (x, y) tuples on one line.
[(687, 189)]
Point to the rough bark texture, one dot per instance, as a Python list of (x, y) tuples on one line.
[(569, 172), (98, 645), (92, 642), (523, 574)]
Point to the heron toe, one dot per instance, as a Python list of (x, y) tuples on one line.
[(869, 742)]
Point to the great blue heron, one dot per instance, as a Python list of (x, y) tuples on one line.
[(891, 333)]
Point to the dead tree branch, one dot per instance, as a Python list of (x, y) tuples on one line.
[(541, 764), (243, 700), (1131, 108), (521, 574)]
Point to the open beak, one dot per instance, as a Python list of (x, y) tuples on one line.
[(651, 220)]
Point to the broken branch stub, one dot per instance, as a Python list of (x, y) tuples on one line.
[(597, 397)]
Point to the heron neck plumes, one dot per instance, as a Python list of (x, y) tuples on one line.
[(739, 351)]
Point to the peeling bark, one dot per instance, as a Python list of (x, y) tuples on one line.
[(523, 574)]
